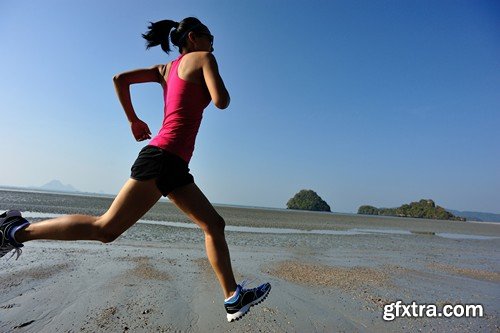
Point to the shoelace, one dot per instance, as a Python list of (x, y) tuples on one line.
[(245, 282), (17, 251)]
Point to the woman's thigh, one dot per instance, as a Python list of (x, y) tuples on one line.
[(134, 200), (191, 200)]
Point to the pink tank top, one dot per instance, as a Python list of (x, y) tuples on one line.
[(184, 105)]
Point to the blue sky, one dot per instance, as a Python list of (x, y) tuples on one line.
[(365, 102)]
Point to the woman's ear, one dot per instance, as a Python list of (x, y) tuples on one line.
[(191, 36)]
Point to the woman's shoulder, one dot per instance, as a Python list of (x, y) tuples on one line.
[(199, 56), (194, 61)]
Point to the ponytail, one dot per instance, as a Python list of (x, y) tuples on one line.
[(160, 33)]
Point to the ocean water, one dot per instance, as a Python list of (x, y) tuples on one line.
[(164, 219), (165, 223)]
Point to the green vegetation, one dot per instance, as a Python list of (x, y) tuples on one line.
[(308, 200), (425, 209)]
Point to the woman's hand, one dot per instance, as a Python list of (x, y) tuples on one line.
[(140, 130)]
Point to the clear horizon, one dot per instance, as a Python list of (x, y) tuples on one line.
[(379, 103), (77, 191)]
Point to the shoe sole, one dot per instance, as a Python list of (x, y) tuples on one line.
[(246, 308)]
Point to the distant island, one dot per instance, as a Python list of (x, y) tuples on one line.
[(56, 185), (52, 186), (476, 216), (308, 200), (425, 209)]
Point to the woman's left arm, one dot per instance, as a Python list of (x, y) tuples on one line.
[(122, 84)]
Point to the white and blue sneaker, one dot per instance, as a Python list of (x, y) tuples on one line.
[(10, 222), (239, 304)]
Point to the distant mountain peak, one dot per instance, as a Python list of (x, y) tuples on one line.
[(57, 185)]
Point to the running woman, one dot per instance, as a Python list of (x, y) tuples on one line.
[(189, 83)]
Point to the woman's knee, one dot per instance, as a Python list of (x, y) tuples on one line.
[(103, 230), (215, 226)]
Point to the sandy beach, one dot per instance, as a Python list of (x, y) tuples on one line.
[(156, 278)]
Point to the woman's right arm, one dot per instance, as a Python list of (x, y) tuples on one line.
[(122, 84)]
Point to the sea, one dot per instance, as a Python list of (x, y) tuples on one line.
[(166, 223)]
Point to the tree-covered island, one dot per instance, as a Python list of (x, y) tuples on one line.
[(425, 209), (308, 200)]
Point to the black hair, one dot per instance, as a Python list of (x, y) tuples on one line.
[(159, 33)]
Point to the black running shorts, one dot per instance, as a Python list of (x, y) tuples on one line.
[(169, 170)]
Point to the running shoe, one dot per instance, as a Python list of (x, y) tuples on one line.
[(10, 221), (239, 304)]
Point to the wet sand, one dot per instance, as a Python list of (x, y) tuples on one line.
[(157, 279)]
